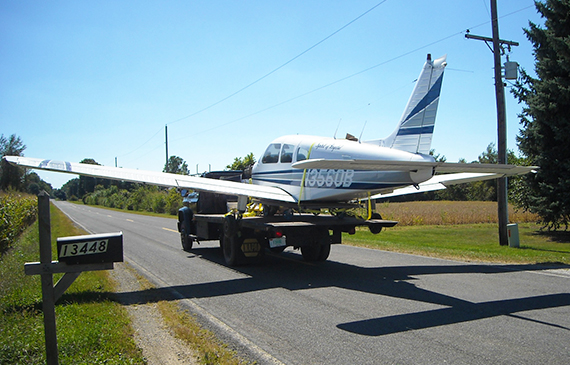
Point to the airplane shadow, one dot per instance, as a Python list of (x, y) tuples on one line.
[(288, 271)]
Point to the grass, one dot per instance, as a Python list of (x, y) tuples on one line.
[(91, 328), (468, 242), (465, 231)]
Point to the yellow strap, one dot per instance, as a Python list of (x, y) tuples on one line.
[(369, 207), (304, 175)]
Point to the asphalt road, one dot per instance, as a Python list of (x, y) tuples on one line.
[(361, 306)]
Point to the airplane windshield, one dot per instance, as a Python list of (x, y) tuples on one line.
[(271, 154)]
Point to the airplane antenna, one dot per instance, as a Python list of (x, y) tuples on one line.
[(338, 125), (360, 139)]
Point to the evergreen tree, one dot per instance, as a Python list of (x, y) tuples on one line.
[(545, 118)]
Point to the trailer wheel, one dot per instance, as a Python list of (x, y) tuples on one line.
[(375, 229), (319, 249), (186, 241)]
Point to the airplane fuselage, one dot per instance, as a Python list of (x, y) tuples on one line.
[(275, 169)]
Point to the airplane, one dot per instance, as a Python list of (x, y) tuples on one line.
[(309, 172)]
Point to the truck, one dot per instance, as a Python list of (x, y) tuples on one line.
[(245, 238)]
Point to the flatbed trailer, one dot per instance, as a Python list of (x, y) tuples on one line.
[(245, 239)]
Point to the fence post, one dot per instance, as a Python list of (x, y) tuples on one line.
[(47, 280)]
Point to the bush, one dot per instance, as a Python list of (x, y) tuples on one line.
[(142, 198)]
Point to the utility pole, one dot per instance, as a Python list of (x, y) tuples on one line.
[(166, 143), (502, 202)]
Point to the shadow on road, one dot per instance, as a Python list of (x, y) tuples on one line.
[(288, 271)]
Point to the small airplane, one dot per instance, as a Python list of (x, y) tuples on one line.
[(309, 172)]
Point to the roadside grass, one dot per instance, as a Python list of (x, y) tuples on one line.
[(467, 242), (464, 231), (91, 328), (140, 212), (208, 349)]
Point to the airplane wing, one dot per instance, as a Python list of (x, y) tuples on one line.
[(394, 165), (438, 182), (155, 178)]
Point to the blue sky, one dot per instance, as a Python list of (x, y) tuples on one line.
[(101, 79)]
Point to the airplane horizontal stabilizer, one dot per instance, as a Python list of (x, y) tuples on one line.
[(394, 165), (156, 178)]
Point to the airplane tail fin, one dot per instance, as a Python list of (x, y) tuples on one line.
[(415, 130)]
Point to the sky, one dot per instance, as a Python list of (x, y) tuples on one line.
[(104, 79)]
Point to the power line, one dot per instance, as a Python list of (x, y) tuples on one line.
[(352, 75), (283, 65)]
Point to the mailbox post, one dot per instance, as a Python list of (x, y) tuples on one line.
[(75, 255)]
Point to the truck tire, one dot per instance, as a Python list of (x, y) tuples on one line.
[(231, 247), (186, 241)]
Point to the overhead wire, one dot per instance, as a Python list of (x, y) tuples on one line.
[(264, 76), (324, 86), (350, 76), (280, 67)]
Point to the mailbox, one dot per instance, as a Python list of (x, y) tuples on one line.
[(106, 247)]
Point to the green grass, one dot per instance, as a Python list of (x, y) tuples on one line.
[(91, 328), (469, 242)]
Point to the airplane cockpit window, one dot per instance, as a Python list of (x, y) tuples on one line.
[(271, 154), (287, 153), (302, 153)]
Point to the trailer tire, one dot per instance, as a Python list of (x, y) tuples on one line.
[(318, 250), (374, 228)]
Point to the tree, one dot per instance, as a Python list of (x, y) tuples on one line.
[(242, 164), (11, 176), (34, 184), (87, 184), (545, 118), (176, 165)]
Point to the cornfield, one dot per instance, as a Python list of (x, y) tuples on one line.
[(448, 212), (16, 214)]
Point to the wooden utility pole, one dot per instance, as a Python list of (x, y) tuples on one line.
[(502, 201), (166, 142)]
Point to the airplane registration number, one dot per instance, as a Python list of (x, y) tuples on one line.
[(329, 178), (84, 248)]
